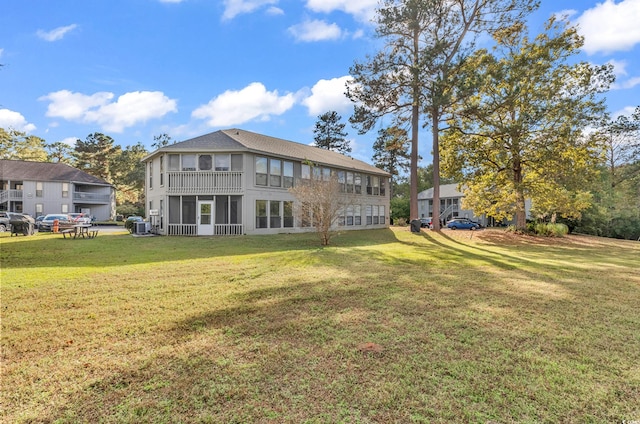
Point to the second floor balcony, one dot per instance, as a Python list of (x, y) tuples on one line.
[(196, 182), (89, 197), (7, 195)]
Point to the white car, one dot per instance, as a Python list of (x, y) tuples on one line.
[(80, 218)]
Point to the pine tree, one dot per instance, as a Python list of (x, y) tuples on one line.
[(329, 133)]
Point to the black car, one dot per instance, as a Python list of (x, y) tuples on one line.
[(425, 222)]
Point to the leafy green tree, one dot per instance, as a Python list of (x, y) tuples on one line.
[(415, 73), (96, 154), (329, 133), (129, 173), (391, 152), (520, 134), (17, 145)]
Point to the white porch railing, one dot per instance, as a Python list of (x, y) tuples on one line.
[(228, 230), (192, 230), (196, 182), (6, 195), (182, 230)]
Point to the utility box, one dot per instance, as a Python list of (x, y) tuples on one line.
[(141, 228), (415, 225)]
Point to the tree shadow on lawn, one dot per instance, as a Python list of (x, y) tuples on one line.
[(451, 350)]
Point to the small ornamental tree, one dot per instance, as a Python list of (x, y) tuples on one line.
[(319, 203)]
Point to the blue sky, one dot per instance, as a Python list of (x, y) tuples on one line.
[(133, 69)]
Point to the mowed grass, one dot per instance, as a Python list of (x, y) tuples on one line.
[(381, 326)]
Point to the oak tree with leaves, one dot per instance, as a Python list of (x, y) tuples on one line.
[(520, 134)]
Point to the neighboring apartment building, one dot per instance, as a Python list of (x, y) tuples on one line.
[(40, 188), (233, 182), (451, 206)]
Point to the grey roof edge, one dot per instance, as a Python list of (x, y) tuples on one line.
[(259, 143), (49, 171)]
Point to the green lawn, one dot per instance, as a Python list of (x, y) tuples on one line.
[(381, 326)]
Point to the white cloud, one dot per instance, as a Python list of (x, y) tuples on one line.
[(15, 120), (565, 14), (57, 33), (610, 27), (619, 67), (70, 141), (328, 95), (364, 10), (315, 30), (238, 107), (1, 51), (625, 85), (275, 11), (128, 110), (233, 8), (628, 111)]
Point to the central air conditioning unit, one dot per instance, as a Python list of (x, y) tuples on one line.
[(140, 228)]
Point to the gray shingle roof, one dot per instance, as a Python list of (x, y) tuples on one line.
[(239, 140), (44, 171)]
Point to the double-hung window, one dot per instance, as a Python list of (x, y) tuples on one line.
[(262, 171), (287, 173), (275, 172)]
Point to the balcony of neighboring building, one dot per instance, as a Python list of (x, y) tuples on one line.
[(11, 195), (91, 197)]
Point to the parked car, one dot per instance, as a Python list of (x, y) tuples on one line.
[(462, 224), (39, 219), (7, 217), (80, 218), (426, 223), (64, 221), (4, 222)]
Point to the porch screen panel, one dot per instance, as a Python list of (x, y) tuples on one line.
[(236, 163), (223, 162), (189, 210), (222, 209), (236, 210)]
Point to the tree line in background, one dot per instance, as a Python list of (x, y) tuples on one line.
[(97, 155)]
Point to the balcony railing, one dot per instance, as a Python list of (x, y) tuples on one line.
[(6, 195), (204, 182), (192, 230), (83, 196)]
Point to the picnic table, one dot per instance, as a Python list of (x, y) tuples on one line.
[(80, 231)]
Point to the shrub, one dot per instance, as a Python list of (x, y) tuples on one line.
[(401, 222), (551, 230)]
